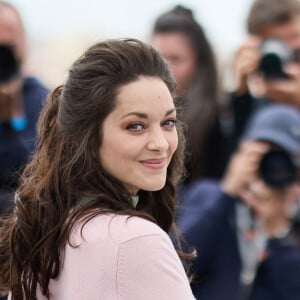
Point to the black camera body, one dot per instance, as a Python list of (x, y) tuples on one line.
[(9, 65), (275, 54), (278, 168)]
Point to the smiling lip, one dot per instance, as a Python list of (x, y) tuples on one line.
[(154, 163)]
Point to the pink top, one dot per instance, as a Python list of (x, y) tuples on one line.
[(121, 258)]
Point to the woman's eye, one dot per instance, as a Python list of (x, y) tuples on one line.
[(170, 123), (135, 127)]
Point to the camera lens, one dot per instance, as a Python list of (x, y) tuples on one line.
[(277, 168), (271, 67), (9, 66), (275, 54)]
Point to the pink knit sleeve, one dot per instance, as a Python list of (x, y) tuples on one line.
[(149, 268)]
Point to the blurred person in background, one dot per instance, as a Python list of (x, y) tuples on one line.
[(246, 228), (182, 42), (20, 103), (267, 64)]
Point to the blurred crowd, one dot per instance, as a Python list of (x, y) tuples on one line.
[(238, 201)]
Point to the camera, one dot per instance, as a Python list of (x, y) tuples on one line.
[(278, 168), (9, 65), (275, 54)]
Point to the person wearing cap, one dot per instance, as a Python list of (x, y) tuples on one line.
[(20, 103), (245, 227)]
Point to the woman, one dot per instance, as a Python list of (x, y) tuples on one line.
[(182, 42), (97, 201)]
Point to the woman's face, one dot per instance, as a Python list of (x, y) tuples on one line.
[(140, 136), (176, 48)]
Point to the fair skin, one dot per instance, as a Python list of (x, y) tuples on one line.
[(271, 205), (140, 136), (241, 180), (247, 59), (176, 48), (11, 33)]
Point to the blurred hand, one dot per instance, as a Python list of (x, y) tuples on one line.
[(10, 99), (243, 167), (286, 91), (6, 107), (245, 62)]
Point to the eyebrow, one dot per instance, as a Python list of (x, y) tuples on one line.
[(144, 116)]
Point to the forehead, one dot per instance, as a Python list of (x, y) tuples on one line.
[(171, 42), (144, 94), (282, 30), (10, 25)]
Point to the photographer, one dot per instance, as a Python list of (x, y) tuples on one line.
[(245, 228), (20, 103), (276, 20)]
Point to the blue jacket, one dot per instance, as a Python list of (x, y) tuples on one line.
[(207, 221), (17, 146)]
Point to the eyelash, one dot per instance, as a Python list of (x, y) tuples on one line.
[(173, 121), (132, 126)]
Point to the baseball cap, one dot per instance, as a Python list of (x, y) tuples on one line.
[(278, 124)]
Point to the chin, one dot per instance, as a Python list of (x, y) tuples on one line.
[(153, 187)]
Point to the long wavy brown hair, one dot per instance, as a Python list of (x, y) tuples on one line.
[(66, 164)]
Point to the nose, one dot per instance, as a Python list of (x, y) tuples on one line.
[(157, 140)]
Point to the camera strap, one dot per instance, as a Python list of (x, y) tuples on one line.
[(252, 248)]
